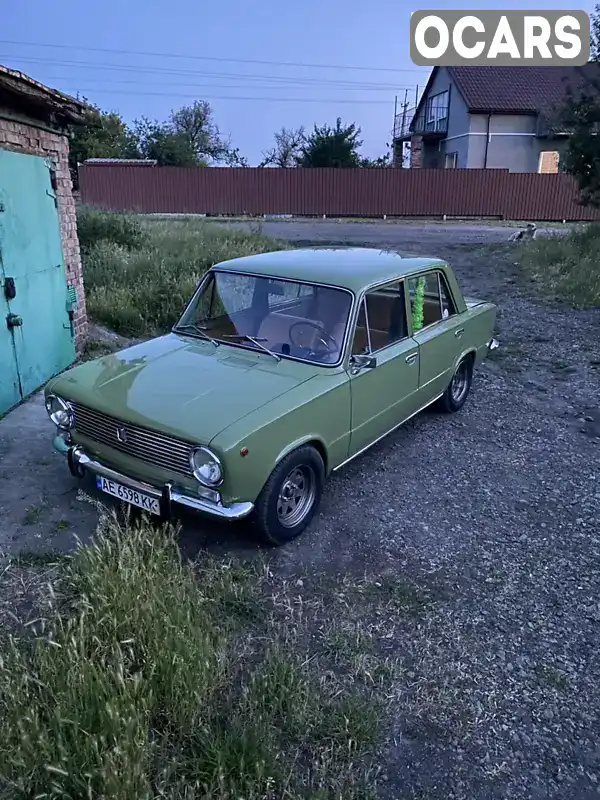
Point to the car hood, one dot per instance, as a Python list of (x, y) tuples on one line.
[(181, 386)]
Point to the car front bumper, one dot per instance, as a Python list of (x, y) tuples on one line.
[(168, 495)]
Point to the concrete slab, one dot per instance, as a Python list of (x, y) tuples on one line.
[(39, 509)]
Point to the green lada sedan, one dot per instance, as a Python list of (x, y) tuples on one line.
[(283, 367)]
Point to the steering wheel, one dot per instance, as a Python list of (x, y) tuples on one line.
[(324, 337)]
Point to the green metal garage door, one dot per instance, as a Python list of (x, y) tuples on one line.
[(36, 337)]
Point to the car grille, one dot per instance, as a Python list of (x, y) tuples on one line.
[(166, 452)]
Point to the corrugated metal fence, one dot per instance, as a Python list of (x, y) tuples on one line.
[(333, 192)]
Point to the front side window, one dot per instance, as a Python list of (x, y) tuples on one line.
[(381, 320), (288, 318)]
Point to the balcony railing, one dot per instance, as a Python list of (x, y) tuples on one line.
[(430, 121), (550, 125)]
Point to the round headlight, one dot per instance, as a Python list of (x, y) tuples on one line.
[(206, 466), (60, 412)]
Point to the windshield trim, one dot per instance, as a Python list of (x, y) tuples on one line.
[(287, 279)]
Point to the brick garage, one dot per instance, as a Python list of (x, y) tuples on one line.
[(34, 120)]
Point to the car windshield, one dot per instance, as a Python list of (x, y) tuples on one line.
[(287, 318)]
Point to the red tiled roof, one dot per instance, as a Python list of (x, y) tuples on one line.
[(519, 90)]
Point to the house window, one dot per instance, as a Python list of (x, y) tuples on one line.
[(548, 162), (437, 108), (451, 160)]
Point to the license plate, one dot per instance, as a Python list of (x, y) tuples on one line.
[(131, 496)]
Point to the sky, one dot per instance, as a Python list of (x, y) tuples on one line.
[(324, 59)]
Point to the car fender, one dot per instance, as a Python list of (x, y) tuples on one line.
[(306, 439), (464, 353), (272, 432)]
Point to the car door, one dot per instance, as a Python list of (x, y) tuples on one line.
[(437, 328), (384, 390)]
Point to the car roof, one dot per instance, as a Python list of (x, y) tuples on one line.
[(354, 268)]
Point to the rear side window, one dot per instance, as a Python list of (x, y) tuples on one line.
[(430, 300)]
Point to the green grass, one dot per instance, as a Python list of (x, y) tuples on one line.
[(566, 267), (140, 275), (95, 348), (147, 677), (32, 515), (100, 226)]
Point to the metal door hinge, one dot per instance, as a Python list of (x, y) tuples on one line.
[(14, 321), (10, 290)]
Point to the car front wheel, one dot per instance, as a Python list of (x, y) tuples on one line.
[(456, 394), (291, 496)]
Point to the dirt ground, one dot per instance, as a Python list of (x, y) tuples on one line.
[(493, 512)]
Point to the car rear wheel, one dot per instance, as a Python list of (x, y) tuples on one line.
[(457, 392), (291, 496)]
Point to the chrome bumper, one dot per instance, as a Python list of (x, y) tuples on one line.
[(80, 463), (493, 344)]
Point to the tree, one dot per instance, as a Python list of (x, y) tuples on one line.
[(195, 124), (580, 116), (158, 141), (371, 163), (104, 135), (331, 147), (189, 137), (287, 149), (235, 159), (595, 34)]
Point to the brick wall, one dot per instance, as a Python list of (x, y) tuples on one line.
[(27, 138), (416, 152)]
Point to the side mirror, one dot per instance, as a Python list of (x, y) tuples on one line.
[(360, 362)]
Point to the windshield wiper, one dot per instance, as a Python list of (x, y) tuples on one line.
[(254, 340), (199, 329)]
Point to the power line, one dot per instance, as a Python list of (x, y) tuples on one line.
[(196, 73), (205, 58), (331, 101), (262, 86)]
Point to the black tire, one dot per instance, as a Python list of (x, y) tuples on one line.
[(270, 521), (454, 397)]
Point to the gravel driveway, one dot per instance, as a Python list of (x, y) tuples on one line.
[(492, 514)]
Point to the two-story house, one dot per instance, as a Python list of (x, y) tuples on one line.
[(490, 118)]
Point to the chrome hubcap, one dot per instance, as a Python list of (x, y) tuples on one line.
[(296, 496), (458, 387)]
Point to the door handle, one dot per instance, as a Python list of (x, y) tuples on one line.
[(411, 358), (459, 332)]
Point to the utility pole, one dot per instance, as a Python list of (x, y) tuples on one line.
[(393, 139), (404, 115)]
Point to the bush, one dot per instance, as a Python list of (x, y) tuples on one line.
[(103, 226), (154, 678), (143, 291), (566, 266)]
